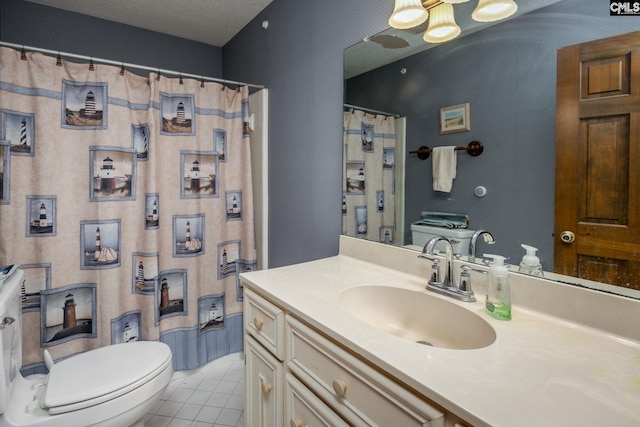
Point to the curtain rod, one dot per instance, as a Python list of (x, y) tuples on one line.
[(125, 64), (369, 110)]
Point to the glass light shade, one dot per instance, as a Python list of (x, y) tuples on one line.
[(494, 10), (408, 14), (442, 25)]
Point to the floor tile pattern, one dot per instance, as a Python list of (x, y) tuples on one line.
[(209, 396)]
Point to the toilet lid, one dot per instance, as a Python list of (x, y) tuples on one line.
[(103, 374)]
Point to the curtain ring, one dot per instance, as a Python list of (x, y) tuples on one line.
[(202, 82), (181, 81), (91, 65), (158, 75), (59, 60), (23, 54), (122, 69)]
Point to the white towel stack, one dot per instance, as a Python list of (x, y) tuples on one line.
[(444, 168)]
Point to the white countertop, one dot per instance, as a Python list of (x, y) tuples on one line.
[(540, 371)]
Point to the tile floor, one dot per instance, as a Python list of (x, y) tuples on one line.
[(209, 396)]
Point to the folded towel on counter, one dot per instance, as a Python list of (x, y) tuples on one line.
[(444, 168), (443, 219)]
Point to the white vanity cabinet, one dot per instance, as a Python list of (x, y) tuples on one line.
[(295, 376)]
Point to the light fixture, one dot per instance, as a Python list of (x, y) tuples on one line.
[(494, 10), (408, 14), (442, 25)]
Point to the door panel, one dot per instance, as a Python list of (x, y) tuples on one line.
[(597, 160)]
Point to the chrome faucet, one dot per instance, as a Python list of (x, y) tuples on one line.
[(488, 238), (445, 283)]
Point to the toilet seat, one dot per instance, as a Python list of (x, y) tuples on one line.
[(103, 374)]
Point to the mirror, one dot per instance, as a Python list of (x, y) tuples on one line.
[(506, 72)]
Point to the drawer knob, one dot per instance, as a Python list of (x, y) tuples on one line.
[(295, 422), (266, 388), (340, 387), (258, 323)]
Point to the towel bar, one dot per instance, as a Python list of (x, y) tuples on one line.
[(474, 149)]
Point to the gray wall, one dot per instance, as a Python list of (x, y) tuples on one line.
[(508, 75), (299, 58), (32, 24)]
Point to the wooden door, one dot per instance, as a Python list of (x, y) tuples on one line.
[(597, 194)]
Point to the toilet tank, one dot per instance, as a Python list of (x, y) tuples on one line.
[(459, 237), (11, 335)]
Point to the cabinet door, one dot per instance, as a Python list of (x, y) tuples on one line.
[(304, 409), (264, 386)]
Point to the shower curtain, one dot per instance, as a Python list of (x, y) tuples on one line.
[(127, 201), (368, 189)]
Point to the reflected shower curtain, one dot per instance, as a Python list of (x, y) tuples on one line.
[(127, 201), (368, 188)]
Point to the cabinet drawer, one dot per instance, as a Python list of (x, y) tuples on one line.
[(303, 408), (265, 322), (358, 392), (263, 386)]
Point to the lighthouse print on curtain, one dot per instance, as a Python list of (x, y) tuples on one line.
[(127, 201)]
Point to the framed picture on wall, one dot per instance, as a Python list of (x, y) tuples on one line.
[(455, 119)]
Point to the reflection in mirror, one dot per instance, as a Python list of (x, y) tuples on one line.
[(507, 75)]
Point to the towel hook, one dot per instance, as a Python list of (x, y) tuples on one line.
[(474, 148)]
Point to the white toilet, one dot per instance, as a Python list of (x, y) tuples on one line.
[(459, 237), (110, 386)]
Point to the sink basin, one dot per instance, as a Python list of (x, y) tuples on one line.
[(417, 316)]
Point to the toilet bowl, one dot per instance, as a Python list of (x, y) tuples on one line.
[(113, 386)]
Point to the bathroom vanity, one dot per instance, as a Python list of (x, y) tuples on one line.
[(355, 339)]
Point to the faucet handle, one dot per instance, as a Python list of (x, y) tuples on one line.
[(464, 285), (435, 272)]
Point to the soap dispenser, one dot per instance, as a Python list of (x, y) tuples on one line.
[(530, 262), (498, 301)]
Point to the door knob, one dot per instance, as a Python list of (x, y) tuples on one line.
[(567, 237)]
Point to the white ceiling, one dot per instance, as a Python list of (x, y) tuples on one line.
[(213, 22)]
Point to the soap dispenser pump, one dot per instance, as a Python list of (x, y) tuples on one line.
[(530, 262), (498, 300)]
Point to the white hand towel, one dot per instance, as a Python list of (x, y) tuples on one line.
[(444, 168)]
